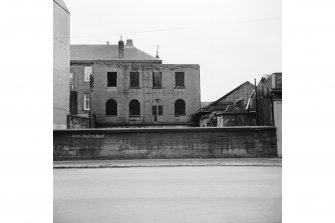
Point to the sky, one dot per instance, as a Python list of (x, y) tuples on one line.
[(233, 41)]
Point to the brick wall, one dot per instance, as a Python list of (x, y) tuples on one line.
[(165, 143), (264, 100)]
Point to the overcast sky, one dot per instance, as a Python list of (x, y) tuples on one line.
[(233, 41)]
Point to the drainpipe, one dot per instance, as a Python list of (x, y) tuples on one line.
[(256, 104)]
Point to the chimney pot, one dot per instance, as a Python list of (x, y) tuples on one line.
[(107, 42), (129, 42)]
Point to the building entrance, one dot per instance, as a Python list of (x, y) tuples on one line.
[(157, 110)]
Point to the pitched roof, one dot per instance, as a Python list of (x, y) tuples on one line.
[(107, 52), (223, 97), (61, 3)]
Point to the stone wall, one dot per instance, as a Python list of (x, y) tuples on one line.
[(165, 143), (77, 122)]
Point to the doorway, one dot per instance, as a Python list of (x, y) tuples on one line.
[(157, 110)]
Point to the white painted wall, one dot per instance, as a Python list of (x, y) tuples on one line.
[(61, 65)]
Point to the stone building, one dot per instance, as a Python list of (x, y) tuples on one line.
[(61, 63), (131, 87)]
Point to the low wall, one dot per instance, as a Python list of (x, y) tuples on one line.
[(79, 122), (165, 143)]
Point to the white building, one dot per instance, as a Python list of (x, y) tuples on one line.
[(61, 63)]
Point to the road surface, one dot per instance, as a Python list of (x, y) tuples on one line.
[(225, 194)]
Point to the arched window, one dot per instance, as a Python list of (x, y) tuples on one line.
[(134, 108), (111, 107), (179, 107)]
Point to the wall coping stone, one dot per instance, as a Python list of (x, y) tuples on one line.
[(158, 130)]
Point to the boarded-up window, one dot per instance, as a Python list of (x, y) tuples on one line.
[(180, 77), (87, 73), (111, 107), (179, 107), (111, 79), (134, 79), (157, 79), (134, 108)]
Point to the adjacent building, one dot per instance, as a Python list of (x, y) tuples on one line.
[(207, 116), (131, 87), (61, 63), (269, 104)]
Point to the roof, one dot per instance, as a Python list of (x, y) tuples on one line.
[(61, 3), (107, 52), (223, 97)]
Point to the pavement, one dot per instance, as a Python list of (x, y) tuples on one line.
[(167, 163)]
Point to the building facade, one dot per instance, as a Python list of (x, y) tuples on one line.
[(268, 104), (131, 87), (61, 64)]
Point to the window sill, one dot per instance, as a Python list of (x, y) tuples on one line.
[(179, 115), (180, 87), (134, 87), (111, 115), (111, 88), (134, 116), (157, 87)]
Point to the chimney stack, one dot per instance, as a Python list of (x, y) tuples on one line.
[(129, 43), (107, 42), (157, 56), (121, 49)]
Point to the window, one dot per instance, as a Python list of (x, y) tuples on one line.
[(154, 110), (134, 79), (87, 101), (111, 79), (134, 108), (71, 77), (160, 110), (157, 79), (111, 107), (179, 107), (87, 73), (180, 77)]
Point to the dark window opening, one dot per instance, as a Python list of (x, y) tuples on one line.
[(179, 107), (111, 107), (157, 79), (111, 79), (154, 110), (134, 79), (180, 79), (134, 108)]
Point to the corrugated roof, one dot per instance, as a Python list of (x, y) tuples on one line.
[(61, 3), (223, 97), (107, 52)]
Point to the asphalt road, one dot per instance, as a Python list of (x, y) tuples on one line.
[(224, 194)]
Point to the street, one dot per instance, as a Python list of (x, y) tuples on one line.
[(243, 194)]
